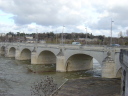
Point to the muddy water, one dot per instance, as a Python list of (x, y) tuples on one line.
[(17, 77)]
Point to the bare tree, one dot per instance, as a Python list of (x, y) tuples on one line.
[(43, 88), (127, 32), (120, 34)]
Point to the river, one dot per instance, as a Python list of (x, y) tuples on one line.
[(16, 79)]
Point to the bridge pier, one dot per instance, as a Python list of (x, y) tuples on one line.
[(33, 57), (60, 62), (108, 67), (6, 52), (17, 54)]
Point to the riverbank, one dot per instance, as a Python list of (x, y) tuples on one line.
[(90, 86)]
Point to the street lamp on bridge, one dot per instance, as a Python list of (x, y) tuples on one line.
[(111, 32), (86, 35), (62, 38)]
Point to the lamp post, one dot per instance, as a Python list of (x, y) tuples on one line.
[(36, 37), (13, 37), (4, 37), (19, 38), (56, 36), (62, 38), (86, 36), (111, 32), (24, 37)]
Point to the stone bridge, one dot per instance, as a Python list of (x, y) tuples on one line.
[(66, 57)]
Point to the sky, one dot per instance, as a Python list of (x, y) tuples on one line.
[(80, 16)]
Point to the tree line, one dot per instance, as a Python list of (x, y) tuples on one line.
[(51, 37)]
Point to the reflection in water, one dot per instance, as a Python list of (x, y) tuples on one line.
[(16, 77)]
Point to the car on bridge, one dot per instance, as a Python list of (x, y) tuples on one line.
[(115, 45), (76, 43)]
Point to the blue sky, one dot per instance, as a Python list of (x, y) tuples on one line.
[(6, 18), (76, 15)]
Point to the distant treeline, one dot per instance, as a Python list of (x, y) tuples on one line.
[(52, 35), (68, 38)]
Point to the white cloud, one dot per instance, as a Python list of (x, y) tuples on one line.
[(47, 15)]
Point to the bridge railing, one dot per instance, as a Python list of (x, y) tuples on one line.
[(66, 46), (50, 45), (124, 65)]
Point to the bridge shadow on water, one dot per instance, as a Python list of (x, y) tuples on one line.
[(51, 69)]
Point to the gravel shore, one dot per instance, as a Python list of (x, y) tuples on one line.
[(90, 87)]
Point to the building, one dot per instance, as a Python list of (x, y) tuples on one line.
[(88, 39), (29, 39)]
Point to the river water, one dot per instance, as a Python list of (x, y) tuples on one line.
[(16, 78)]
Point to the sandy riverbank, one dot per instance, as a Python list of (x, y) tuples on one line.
[(90, 87)]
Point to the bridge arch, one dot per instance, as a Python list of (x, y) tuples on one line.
[(79, 62), (99, 56), (2, 47), (119, 73), (25, 54), (12, 52), (46, 57)]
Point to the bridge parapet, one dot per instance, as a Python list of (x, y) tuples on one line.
[(124, 65), (108, 67), (66, 46)]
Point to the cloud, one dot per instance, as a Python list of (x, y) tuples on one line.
[(74, 14), (116, 13), (43, 12), (120, 15)]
